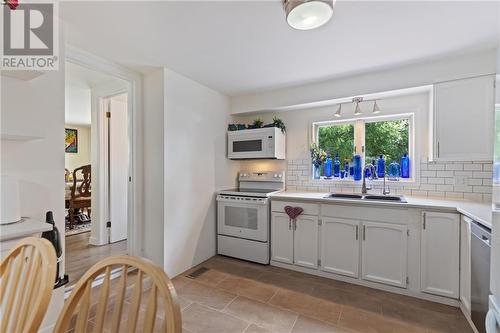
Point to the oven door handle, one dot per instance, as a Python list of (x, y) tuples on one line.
[(246, 200)]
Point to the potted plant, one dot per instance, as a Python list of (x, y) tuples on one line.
[(257, 123), (318, 156)]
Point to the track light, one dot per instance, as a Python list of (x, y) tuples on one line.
[(376, 109), (338, 112), (357, 110), (308, 14)]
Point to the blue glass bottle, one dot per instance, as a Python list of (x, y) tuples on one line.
[(405, 166), (357, 166), (346, 169), (381, 167), (328, 166), (336, 166), (394, 171)]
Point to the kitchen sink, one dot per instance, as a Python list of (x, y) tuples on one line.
[(372, 197), (344, 196), (385, 198)]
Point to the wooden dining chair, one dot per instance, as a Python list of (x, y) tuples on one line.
[(141, 301), (81, 192), (27, 278)]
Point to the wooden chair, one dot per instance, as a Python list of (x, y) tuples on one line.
[(80, 192), (151, 304), (27, 277)]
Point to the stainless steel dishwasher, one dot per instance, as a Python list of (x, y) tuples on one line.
[(480, 273)]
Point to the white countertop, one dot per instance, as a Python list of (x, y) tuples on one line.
[(478, 211), (25, 228)]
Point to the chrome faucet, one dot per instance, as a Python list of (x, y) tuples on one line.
[(386, 191), (370, 166)]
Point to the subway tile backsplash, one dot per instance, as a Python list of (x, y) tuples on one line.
[(450, 180)]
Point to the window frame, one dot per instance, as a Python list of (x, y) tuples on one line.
[(359, 139)]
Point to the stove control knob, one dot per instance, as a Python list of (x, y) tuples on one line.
[(275, 175)]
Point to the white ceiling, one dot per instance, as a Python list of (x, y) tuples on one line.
[(238, 47)]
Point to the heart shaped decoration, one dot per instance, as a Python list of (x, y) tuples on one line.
[(293, 212)]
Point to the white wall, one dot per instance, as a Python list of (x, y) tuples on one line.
[(196, 118), (398, 78), (154, 109), (36, 108), (77, 104), (82, 157)]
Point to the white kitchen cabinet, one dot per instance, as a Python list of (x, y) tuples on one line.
[(439, 254), (281, 238), (305, 242), (464, 119), (465, 261), (340, 246), (384, 253)]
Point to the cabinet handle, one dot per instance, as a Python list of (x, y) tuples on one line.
[(364, 232), (295, 224), (289, 224), (424, 222), (357, 232), (438, 154)]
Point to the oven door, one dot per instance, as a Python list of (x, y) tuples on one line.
[(243, 217)]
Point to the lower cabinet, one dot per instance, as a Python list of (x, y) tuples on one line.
[(294, 242), (305, 241), (439, 254), (384, 253), (281, 238), (340, 246), (465, 261)]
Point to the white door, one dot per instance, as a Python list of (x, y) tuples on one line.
[(306, 241), (340, 246), (439, 255), (469, 101), (281, 238), (384, 253), (465, 238), (118, 169)]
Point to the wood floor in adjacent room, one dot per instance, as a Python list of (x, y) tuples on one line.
[(80, 256)]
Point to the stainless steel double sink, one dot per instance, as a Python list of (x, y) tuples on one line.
[(371, 197)]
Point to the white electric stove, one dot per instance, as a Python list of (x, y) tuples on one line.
[(243, 216)]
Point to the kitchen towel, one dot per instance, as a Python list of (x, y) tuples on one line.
[(293, 212)]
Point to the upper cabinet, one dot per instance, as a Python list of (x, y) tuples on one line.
[(464, 119)]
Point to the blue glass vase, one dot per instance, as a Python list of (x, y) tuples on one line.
[(405, 166), (394, 171), (381, 167), (357, 166), (316, 171), (336, 166), (328, 166)]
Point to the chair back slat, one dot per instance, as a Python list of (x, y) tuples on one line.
[(27, 276), (133, 313), (150, 317), (142, 300), (117, 313)]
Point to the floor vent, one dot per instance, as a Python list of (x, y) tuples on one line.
[(196, 273)]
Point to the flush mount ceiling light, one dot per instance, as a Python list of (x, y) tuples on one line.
[(308, 14), (376, 109)]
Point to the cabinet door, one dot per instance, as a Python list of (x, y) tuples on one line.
[(469, 101), (439, 266), (384, 253), (340, 246), (281, 238), (305, 247), (465, 238)]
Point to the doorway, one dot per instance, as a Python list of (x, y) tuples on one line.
[(97, 173)]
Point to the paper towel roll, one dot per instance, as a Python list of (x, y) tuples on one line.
[(10, 210)]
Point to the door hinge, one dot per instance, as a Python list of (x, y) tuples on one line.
[(408, 232), (320, 222), (424, 222), (129, 179), (319, 262), (407, 280), (108, 224), (108, 114)]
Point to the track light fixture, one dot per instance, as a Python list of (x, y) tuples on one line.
[(376, 109), (357, 109), (308, 14), (338, 112)]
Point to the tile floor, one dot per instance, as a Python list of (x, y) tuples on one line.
[(238, 296)]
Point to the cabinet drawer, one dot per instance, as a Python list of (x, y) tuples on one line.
[(378, 214), (309, 208)]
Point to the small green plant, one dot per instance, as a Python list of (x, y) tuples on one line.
[(257, 123), (277, 122)]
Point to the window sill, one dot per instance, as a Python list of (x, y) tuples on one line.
[(403, 182)]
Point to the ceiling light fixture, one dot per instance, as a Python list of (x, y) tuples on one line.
[(357, 110), (338, 112), (376, 109), (308, 14)]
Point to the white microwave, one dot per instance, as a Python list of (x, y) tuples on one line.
[(266, 142)]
